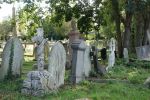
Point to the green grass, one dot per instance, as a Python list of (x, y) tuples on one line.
[(10, 90)]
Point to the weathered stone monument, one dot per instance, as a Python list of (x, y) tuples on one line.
[(125, 55), (111, 59), (12, 59), (73, 35), (147, 82), (57, 62), (77, 70), (87, 61), (39, 39), (143, 52), (98, 68), (39, 82)]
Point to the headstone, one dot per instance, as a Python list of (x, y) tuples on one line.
[(97, 67), (39, 39), (147, 82), (125, 54), (87, 61), (77, 70), (12, 59), (143, 52), (73, 35), (57, 61), (38, 83), (111, 59)]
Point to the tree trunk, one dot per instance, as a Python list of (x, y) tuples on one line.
[(115, 6), (139, 29), (127, 32)]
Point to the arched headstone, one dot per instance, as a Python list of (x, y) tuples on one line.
[(57, 61), (12, 59)]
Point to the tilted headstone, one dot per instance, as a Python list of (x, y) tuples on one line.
[(125, 54), (12, 59), (57, 61), (147, 82), (77, 70), (111, 59), (87, 61)]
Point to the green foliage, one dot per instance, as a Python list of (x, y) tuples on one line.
[(5, 28)]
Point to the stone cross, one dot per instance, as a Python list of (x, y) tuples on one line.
[(40, 41)]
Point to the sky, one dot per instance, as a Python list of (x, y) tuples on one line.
[(6, 9)]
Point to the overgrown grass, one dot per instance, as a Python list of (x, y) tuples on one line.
[(10, 90)]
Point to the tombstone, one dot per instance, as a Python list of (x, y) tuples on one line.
[(111, 59), (57, 61), (97, 67), (77, 70), (38, 83), (12, 59), (40, 41), (147, 82), (125, 54), (87, 61), (143, 52), (73, 35)]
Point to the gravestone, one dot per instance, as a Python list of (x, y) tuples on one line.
[(143, 52), (147, 82), (73, 35), (97, 67), (111, 59), (12, 59), (39, 82), (77, 70), (57, 61), (40, 41), (125, 54), (87, 61)]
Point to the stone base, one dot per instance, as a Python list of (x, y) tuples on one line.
[(38, 83)]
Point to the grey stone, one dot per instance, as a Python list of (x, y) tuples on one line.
[(57, 61), (39, 83), (143, 52), (40, 41), (147, 82), (125, 54), (12, 59), (77, 71), (87, 61), (111, 59)]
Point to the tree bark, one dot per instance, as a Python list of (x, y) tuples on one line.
[(116, 11), (139, 29), (127, 32)]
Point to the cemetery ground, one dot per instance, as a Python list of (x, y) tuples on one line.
[(135, 73)]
